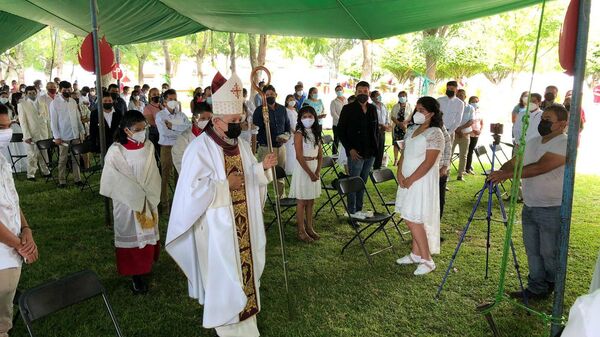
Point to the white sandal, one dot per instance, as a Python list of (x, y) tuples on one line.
[(409, 259), (425, 267)]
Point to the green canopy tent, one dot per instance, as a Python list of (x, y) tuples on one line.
[(135, 21)]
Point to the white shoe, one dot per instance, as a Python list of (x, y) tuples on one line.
[(425, 267), (409, 259), (368, 214), (358, 215)]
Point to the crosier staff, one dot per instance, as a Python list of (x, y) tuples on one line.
[(265, 112)]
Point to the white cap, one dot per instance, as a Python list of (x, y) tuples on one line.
[(229, 98)]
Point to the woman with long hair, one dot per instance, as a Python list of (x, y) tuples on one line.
[(417, 199), (290, 150)]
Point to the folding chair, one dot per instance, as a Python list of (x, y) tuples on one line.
[(15, 158), (481, 151), (285, 203), (79, 150), (361, 226), (330, 188), (328, 145), (51, 159), (379, 177), (54, 296), (455, 157)]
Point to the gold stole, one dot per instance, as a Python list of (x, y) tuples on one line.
[(233, 163)]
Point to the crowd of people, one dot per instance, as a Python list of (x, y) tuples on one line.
[(219, 162)]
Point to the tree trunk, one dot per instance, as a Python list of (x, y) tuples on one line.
[(168, 70), (19, 67), (200, 54), (262, 50), (257, 56), (59, 60), (141, 62), (232, 52), (367, 65)]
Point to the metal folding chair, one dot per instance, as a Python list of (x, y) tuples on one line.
[(285, 203), (333, 197), (481, 151), (379, 177), (371, 225), (54, 296), (328, 145), (15, 158), (51, 157), (78, 150)]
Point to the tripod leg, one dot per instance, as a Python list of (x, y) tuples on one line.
[(489, 318), (460, 241), (490, 188)]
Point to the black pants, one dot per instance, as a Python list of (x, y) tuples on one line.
[(443, 181), (472, 145), (336, 140), (380, 151)]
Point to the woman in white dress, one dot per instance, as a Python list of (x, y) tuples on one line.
[(417, 199), (130, 177), (305, 186), (290, 150)]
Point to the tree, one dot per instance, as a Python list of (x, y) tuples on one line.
[(367, 64), (461, 62), (593, 63), (232, 52), (198, 47), (496, 73), (402, 62), (257, 54), (167, 56), (433, 46), (139, 54)]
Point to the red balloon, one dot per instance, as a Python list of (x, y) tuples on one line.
[(568, 38), (86, 55)]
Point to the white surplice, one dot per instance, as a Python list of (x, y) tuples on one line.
[(202, 236), (182, 142), (131, 179)]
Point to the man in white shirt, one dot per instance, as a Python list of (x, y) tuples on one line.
[(543, 173), (535, 116), (16, 240), (452, 108), (383, 119), (171, 123), (461, 135), (67, 128), (35, 128), (336, 109), (44, 101)]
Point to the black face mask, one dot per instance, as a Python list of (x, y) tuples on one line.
[(545, 127), (155, 99), (450, 93), (270, 100), (362, 98), (114, 96), (66, 94), (107, 106), (233, 130), (549, 96)]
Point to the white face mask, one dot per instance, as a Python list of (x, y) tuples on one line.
[(3, 100), (291, 104), (137, 98), (139, 136), (475, 105), (5, 137), (402, 99), (172, 105), (533, 107), (308, 122), (201, 124), (419, 118), (299, 93)]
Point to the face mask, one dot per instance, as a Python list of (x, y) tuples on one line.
[(139, 136), (114, 95), (299, 93), (172, 105), (270, 100), (155, 99), (66, 94), (137, 98), (549, 96), (419, 118), (314, 96), (533, 107), (545, 127), (52, 91), (339, 93), (308, 122), (378, 99), (450, 93), (32, 97), (3, 100), (233, 130), (362, 98), (5, 137), (107, 106), (209, 100), (22, 89), (402, 99), (291, 104), (475, 105), (201, 124)]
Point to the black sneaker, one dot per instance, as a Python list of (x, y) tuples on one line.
[(529, 295), (79, 183), (31, 178), (138, 285), (47, 175)]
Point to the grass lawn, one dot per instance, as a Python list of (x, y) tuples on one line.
[(332, 294)]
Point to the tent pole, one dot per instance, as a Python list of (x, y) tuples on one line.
[(118, 57), (583, 25), (97, 64)]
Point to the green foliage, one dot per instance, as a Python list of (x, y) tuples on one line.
[(593, 63), (403, 62), (461, 62)]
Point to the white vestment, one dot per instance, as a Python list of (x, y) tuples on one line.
[(583, 317), (202, 236), (182, 142)]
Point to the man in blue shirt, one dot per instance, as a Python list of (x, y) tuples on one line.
[(280, 130), (299, 95)]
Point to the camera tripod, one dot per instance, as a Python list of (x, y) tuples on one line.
[(492, 190)]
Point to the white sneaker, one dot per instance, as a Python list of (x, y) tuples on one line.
[(358, 215), (425, 267), (368, 214), (409, 259)]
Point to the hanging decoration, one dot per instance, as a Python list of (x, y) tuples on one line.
[(568, 38), (86, 55)]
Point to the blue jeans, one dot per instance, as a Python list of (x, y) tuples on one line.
[(358, 168), (541, 230)]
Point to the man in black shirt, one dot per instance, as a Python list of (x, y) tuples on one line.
[(118, 102), (280, 130), (358, 129)]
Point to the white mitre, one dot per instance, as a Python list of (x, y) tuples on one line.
[(229, 98)]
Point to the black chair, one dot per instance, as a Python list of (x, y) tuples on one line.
[(379, 177), (51, 158), (333, 197), (15, 158), (78, 150), (371, 225), (328, 145), (284, 203), (54, 296), (480, 152)]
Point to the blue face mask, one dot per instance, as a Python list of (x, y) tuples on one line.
[(339, 93), (314, 96), (402, 99), (209, 100)]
